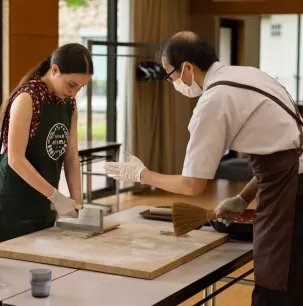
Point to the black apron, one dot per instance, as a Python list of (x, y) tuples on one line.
[(23, 209), (278, 228)]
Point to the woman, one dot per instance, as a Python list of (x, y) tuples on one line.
[(243, 109), (39, 133)]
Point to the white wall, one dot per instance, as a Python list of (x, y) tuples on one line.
[(278, 54)]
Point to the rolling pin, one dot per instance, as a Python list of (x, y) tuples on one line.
[(160, 211)]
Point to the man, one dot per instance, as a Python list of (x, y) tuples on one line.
[(243, 109)]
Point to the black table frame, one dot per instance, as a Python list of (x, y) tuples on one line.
[(91, 154), (208, 280)]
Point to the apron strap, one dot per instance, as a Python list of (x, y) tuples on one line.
[(275, 99), (6, 112), (298, 125), (296, 115)]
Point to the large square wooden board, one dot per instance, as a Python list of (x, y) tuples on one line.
[(136, 250)]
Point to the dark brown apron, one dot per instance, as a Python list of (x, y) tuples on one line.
[(277, 180)]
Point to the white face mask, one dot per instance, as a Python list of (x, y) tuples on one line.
[(192, 91)]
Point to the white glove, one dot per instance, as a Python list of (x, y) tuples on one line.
[(234, 204), (63, 204), (128, 171)]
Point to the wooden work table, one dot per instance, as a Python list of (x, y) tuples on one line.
[(92, 288)]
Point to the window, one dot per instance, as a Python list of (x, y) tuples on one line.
[(80, 24), (276, 29)]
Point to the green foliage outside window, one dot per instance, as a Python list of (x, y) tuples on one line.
[(74, 4)]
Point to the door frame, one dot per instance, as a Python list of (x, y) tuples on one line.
[(237, 36)]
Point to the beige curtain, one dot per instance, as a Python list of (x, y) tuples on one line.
[(160, 115)]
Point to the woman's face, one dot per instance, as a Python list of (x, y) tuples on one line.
[(68, 85)]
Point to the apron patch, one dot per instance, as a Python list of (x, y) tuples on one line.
[(56, 142)]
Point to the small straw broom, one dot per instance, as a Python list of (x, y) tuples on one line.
[(187, 217)]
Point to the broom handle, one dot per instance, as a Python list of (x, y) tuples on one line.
[(211, 215)]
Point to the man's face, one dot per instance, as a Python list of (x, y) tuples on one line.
[(173, 75)]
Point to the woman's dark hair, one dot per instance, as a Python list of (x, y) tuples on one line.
[(70, 58), (188, 47)]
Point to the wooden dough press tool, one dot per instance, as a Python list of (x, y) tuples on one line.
[(89, 220)]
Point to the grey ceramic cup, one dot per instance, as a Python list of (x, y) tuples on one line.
[(40, 280)]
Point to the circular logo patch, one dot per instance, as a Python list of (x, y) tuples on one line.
[(56, 142)]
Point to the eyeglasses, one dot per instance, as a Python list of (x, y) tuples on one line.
[(168, 77)]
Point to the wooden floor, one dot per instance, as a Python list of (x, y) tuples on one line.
[(237, 295)]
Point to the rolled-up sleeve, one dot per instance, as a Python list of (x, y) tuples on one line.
[(212, 129)]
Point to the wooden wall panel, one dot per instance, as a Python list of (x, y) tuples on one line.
[(33, 34), (206, 26), (37, 48), (5, 49), (41, 13), (199, 7)]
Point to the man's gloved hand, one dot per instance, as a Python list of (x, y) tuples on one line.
[(127, 171), (234, 204), (64, 205)]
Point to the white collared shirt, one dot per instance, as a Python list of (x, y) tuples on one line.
[(226, 117)]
